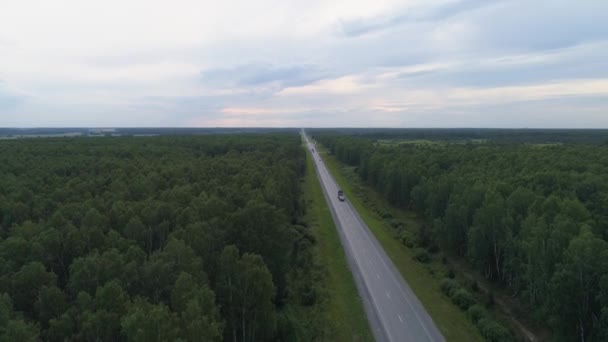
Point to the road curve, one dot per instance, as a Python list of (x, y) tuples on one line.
[(394, 312)]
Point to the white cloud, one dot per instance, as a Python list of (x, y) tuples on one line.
[(336, 86)]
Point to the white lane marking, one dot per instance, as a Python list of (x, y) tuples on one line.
[(407, 300), (400, 318), (388, 295), (366, 234)]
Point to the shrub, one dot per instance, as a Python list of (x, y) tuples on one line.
[(406, 238), (476, 313), (493, 331), (395, 224), (463, 299), (449, 286), (422, 255)]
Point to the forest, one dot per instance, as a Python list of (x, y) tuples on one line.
[(154, 239), (532, 218), (469, 135)]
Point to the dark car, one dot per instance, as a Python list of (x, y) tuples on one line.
[(341, 195)]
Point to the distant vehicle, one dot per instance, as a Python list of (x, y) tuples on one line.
[(341, 195), (313, 150)]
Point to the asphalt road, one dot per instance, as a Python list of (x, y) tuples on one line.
[(394, 312)]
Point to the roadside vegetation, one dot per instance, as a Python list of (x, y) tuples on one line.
[(530, 221), (163, 238), (341, 306)]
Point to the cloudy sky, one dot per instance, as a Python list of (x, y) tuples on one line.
[(314, 63)]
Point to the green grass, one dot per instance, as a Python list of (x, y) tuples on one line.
[(424, 279), (343, 306)]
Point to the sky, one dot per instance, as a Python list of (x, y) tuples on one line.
[(313, 63)]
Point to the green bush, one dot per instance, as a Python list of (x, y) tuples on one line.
[(422, 255), (386, 215), (493, 331), (406, 238), (395, 224), (463, 299), (476, 313), (449, 286)]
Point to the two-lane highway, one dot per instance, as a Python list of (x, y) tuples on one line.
[(394, 312)]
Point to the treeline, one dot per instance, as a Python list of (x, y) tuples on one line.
[(532, 218), (176, 131), (493, 135), (154, 239)]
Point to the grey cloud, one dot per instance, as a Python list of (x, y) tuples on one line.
[(580, 62), (259, 74), (361, 27), (498, 27), (589, 112), (9, 100), (542, 25), (187, 107)]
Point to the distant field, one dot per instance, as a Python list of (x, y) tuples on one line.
[(426, 142), (470, 135)]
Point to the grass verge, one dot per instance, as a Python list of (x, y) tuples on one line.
[(343, 306), (424, 279)]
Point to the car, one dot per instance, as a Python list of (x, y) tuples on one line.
[(341, 195)]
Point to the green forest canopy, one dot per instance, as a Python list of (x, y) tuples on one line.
[(152, 239)]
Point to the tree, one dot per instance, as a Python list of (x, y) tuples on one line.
[(145, 322), (246, 292), (489, 236), (51, 303), (27, 283), (198, 314), (576, 283), (6, 308), (228, 291), (19, 330), (103, 320)]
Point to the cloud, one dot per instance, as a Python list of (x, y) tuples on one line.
[(359, 27), (342, 85), (255, 74), (9, 99), (584, 61), (542, 25), (391, 63)]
